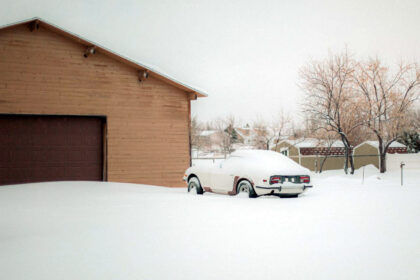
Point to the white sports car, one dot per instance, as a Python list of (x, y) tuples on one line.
[(253, 172)]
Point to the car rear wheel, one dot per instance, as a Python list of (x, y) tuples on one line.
[(194, 186), (245, 188)]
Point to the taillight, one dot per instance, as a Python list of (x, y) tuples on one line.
[(305, 179), (275, 180)]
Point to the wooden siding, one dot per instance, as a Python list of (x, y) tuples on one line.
[(293, 151), (365, 154), (42, 72), (314, 162)]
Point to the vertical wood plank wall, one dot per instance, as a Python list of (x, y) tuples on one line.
[(42, 72)]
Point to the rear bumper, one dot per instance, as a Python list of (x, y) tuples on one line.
[(281, 189)]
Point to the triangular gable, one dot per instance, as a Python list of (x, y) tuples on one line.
[(36, 22)]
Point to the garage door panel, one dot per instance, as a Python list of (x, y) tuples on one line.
[(74, 140), (5, 139), (75, 156), (5, 155), (4, 173), (50, 148)]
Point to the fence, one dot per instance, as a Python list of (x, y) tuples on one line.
[(412, 161), (313, 163), (334, 162)]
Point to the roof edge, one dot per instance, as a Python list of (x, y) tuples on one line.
[(369, 143), (159, 75)]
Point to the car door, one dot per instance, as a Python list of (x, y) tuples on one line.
[(222, 177), (205, 175)]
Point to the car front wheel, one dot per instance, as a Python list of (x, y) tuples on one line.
[(194, 186), (245, 188)]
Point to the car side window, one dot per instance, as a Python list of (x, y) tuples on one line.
[(224, 162), (228, 162)]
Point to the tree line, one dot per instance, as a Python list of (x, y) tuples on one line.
[(350, 97), (344, 98)]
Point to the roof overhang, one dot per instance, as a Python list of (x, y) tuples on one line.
[(152, 72)]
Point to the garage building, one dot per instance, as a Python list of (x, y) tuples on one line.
[(73, 110)]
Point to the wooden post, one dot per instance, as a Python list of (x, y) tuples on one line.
[(143, 75), (89, 50), (34, 25)]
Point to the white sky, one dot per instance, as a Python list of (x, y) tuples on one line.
[(244, 54)]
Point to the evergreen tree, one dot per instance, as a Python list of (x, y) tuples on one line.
[(234, 136), (412, 141)]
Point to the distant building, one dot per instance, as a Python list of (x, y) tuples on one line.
[(245, 135), (368, 152), (309, 152), (210, 140)]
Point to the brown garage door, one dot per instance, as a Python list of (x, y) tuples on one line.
[(50, 148)]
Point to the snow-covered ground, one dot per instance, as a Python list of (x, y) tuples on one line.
[(340, 229)]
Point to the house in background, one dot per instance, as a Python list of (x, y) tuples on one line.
[(309, 152), (245, 135), (368, 152), (210, 141), (73, 110)]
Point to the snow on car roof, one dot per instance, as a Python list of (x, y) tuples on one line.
[(255, 153), (268, 159)]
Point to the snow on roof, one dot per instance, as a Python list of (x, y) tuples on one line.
[(243, 132), (375, 144), (314, 143), (279, 139), (161, 72)]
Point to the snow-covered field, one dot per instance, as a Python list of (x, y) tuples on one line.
[(340, 229)]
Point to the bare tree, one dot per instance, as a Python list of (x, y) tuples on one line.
[(329, 98), (195, 130), (269, 133), (263, 134), (225, 127), (386, 99), (281, 126), (328, 139), (414, 119)]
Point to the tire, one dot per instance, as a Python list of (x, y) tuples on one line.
[(194, 186), (245, 186)]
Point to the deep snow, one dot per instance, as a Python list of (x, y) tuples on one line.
[(340, 229)]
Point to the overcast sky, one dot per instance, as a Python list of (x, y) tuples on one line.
[(244, 54)]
